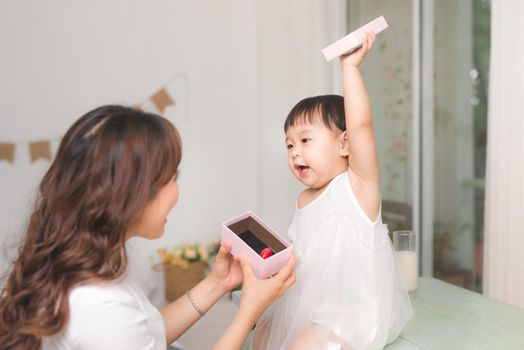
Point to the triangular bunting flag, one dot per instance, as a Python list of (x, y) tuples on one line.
[(161, 99), (7, 152), (39, 150)]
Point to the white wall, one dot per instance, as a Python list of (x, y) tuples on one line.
[(61, 58), (291, 35), (247, 62)]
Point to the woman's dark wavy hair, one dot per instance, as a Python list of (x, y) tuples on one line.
[(328, 109), (109, 165)]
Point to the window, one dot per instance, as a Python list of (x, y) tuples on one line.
[(429, 102)]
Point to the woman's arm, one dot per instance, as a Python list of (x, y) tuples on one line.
[(256, 296), (181, 314), (226, 274)]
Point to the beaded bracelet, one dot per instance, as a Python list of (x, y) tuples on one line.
[(200, 312)]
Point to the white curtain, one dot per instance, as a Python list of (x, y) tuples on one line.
[(504, 204)]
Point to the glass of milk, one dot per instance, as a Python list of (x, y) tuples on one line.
[(405, 243)]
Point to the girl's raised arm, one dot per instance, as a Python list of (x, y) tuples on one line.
[(363, 162)]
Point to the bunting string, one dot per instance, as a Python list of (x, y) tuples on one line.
[(159, 101)]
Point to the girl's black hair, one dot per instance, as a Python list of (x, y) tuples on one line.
[(330, 108)]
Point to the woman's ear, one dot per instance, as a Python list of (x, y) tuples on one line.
[(344, 144)]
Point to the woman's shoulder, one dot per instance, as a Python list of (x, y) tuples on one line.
[(94, 311), (107, 316), (91, 294)]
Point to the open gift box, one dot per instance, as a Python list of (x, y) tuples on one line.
[(248, 236)]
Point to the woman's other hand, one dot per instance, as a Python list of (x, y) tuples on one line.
[(258, 294), (226, 270)]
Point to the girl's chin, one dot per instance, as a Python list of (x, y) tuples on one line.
[(318, 185)]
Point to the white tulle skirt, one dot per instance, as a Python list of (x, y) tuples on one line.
[(349, 293)]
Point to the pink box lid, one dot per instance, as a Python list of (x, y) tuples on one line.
[(354, 39)]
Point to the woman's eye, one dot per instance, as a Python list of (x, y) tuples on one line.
[(305, 140), (289, 146)]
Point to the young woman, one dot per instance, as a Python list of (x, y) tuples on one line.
[(114, 177)]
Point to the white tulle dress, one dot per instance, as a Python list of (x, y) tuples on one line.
[(348, 293)]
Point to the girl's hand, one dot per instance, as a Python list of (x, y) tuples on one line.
[(354, 58), (258, 294), (226, 270)]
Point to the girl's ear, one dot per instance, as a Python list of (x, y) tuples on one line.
[(344, 144)]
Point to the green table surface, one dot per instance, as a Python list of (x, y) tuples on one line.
[(449, 317)]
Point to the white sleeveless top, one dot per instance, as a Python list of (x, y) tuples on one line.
[(348, 287), (114, 315)]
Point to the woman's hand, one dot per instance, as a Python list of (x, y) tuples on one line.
[(226, 270), (354, 58), (258, 294)]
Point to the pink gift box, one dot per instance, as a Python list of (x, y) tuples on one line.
[(353, 40), (248, 221)]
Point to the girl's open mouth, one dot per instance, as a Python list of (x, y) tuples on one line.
[(302, 169)]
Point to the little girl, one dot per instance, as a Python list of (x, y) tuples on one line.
[(348, 294)]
